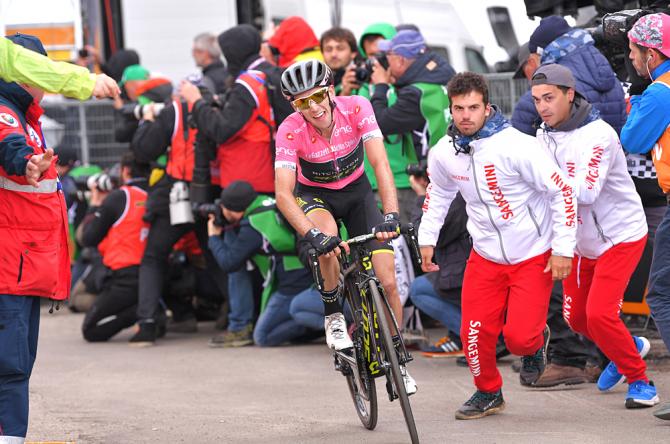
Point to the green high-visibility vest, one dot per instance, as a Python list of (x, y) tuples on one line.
[(398, 159), (400, 149), (279, 242), (434, 106)]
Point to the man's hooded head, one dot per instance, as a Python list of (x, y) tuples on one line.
[(240, 45), (292, 37)]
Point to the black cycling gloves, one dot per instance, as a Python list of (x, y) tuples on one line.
[(322, 243), (391, 224)]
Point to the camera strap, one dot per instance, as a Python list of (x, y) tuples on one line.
[(184, 120), (184, 130)]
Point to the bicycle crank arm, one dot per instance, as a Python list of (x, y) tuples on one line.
[(349, 359)]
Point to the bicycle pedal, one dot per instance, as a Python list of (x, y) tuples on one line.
[(338, 365)]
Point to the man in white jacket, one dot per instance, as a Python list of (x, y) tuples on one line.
[(522, 219), (611, 233)]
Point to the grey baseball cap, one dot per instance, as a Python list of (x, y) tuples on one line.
[(553, 74), (522, 56)]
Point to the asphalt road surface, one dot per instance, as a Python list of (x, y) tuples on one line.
[(181, 391)]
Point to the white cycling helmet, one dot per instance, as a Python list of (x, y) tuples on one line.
[(303, 76)]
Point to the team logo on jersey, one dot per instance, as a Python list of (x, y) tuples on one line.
[(9, 120), (313, 139), (357, 109), (290, 136), (34, 137)]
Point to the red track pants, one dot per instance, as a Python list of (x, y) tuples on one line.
[(593, 294), (513, 299)]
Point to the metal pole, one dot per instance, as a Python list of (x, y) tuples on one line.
[(83, 134)]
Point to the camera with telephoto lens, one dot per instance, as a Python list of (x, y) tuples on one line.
[(417, 169), (99, 181), (139, 112), (364, 67), (205, 209), (610, 35), (608, 28)]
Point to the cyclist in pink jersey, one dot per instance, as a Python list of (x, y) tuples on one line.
[(333, 163), (323, 145)]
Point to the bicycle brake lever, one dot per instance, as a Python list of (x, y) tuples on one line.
[(410, 232), (316, 270)]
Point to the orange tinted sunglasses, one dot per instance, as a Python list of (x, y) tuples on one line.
[(317, 96)]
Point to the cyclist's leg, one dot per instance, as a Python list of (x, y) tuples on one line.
[(360, 216), (318, 211), (330, 267), (384, 265)]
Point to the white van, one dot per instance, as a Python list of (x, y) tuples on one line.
[(438, 21)]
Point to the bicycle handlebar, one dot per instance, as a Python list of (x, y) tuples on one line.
[(406, 229)]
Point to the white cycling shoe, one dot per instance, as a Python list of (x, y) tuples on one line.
[(337, 336), (410, 383)]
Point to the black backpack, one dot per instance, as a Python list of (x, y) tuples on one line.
[(280, 106)]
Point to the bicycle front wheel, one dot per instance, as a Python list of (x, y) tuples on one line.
[(362, 387), (391, 357), (359, 379)]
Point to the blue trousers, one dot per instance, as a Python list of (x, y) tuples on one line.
[(241, 291), (658, 296), (423, 295), (306, 308), (19, 329), (275, 325)]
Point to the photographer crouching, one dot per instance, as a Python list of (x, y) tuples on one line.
[(115, 224), (256, 231), (169, 206)]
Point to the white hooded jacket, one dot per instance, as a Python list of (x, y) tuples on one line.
[(519, 203), (610, 210)]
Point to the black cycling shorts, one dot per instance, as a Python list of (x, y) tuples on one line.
[(355, 205)]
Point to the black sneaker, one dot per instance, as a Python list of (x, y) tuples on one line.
[(161, 324), (481, 404), (533, 366), (145, 335)]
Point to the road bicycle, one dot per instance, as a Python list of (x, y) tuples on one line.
[(379, 349)]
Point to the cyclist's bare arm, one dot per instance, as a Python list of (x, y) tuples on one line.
[(284, 185), (376, 152), (285, 180)]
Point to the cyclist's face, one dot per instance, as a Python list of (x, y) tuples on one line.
[(318, 114), (469, 112), (552, 104)]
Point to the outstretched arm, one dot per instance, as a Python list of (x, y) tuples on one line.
[(21, 65)]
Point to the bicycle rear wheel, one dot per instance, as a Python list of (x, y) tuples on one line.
[(391, 357)]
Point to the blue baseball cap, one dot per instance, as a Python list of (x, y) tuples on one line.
[(407, 43), (29, 42), (549, 29)]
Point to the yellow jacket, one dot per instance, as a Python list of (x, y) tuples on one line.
[(21, 65)]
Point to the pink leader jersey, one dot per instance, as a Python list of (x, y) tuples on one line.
[(330, 164)]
